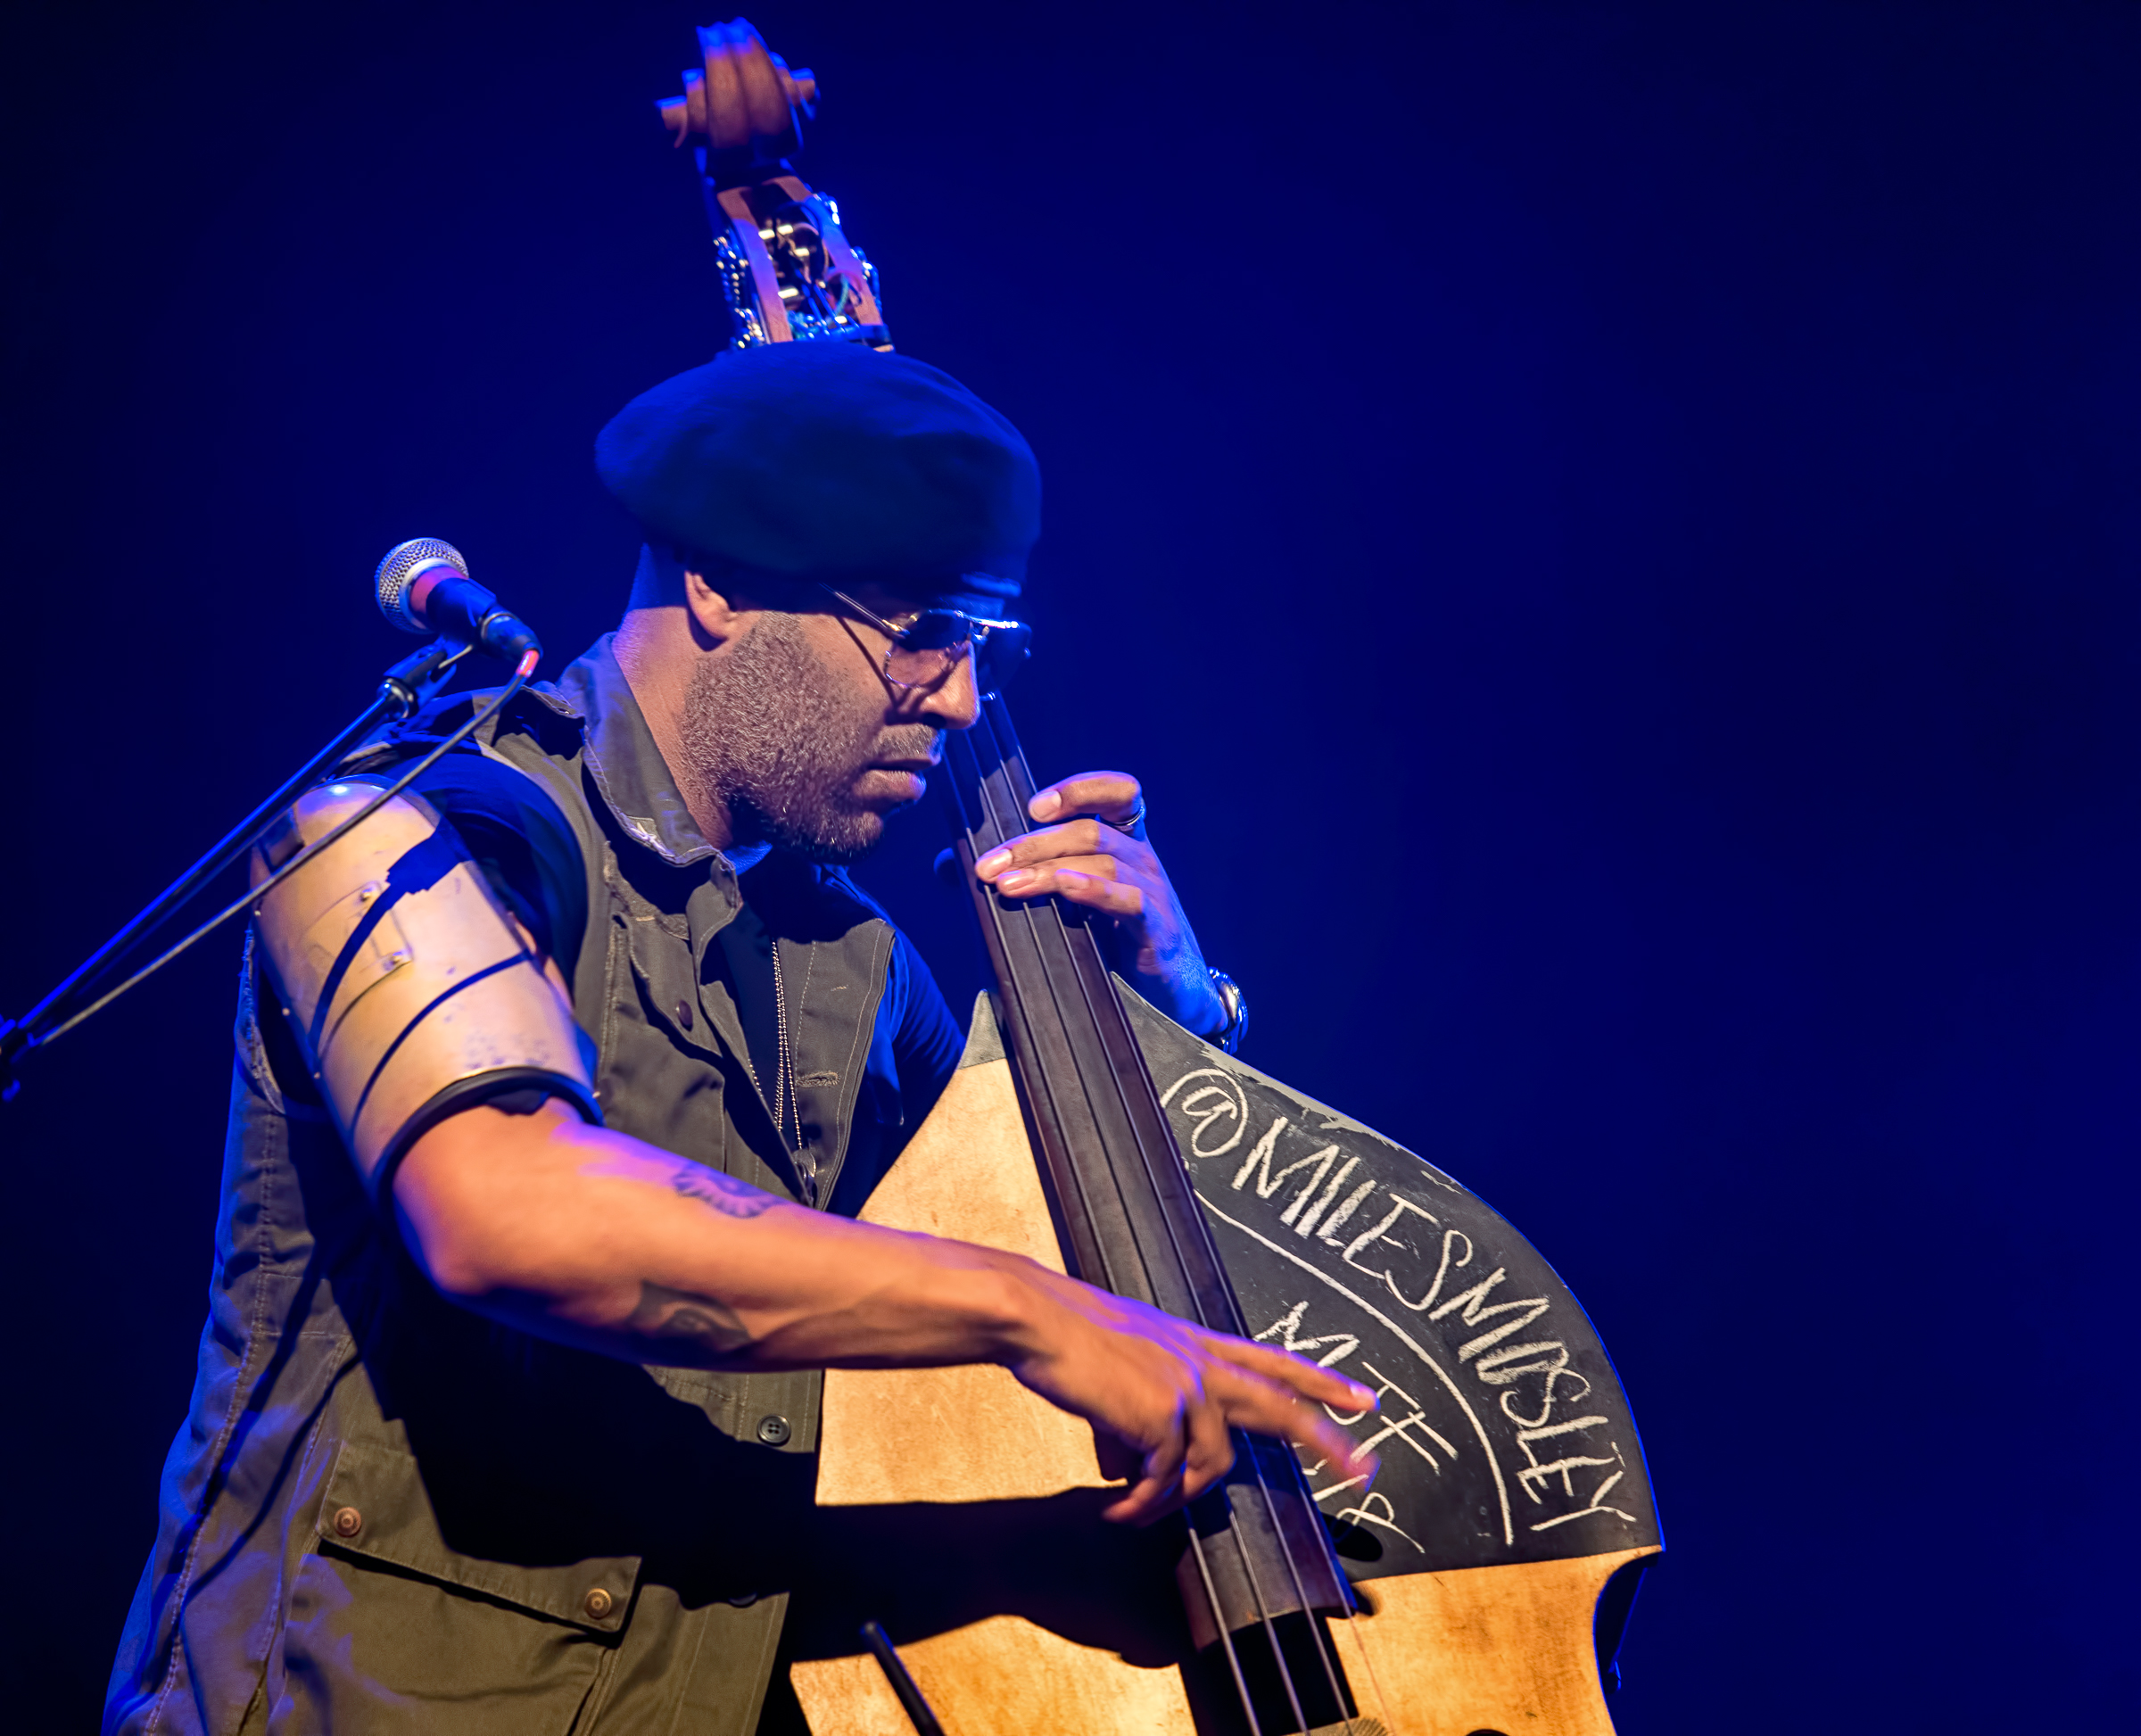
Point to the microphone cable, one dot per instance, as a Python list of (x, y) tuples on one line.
[(253, 895)]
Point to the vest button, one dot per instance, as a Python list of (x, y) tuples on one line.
[(683, 1015), (597, 1603), (774, 1431), (348, 1522)]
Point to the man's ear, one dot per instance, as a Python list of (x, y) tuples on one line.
[(715, 618)]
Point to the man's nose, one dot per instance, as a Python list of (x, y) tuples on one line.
[(955, 701)]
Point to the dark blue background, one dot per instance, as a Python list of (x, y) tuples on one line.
[(1610, 530)]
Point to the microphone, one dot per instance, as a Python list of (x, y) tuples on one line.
[(424, 587)]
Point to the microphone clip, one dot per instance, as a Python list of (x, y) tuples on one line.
[(413, 682)]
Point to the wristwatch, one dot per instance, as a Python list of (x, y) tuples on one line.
[(1236, 1004)]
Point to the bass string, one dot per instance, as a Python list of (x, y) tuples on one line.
[(1234, 1662), (1045, 967), (1065, 935), (1099, 1012), (1063, 988), (983, 827), (1018, 776), (993, 825), (1106, 1118), (1366, 1655), (1243, 1556), (999, 807), (1153, 1163), (1032, 995), (1091, 1002), (986, 831), (1331, 1674), (1194, 1543)]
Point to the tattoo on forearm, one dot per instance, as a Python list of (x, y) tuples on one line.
[(727, 1196), (689, 1330)]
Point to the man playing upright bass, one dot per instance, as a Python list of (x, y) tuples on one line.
[(506, 1401)]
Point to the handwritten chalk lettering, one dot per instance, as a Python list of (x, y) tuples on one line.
[(1286, 1330), (1443, 1268), (1509, 1365), (1352, 1203), (1311, 1472), (1565, 1468), (1477, 1308), (1321, 1196), (1260, 1156), (1258, 1165), (1538, 1473), (1268, 1181), (1376, 1511), (1399, 1206), (1219, 1108), (1400, 1427), (1309, 1218), (1322, 1160)]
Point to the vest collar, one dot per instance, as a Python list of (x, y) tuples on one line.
[(627, 765)]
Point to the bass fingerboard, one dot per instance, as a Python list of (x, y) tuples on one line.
[(1258, 1563)]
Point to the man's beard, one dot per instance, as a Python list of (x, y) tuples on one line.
[(766, 736)]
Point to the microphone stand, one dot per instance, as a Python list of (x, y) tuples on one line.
[(409, 684)]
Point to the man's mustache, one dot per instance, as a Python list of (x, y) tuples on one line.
[(911, 744)]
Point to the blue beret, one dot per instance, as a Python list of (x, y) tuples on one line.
[(823, 462)]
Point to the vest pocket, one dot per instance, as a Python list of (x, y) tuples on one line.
[(778, 1411), (375, 1507)]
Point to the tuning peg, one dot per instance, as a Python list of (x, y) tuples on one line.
[(803, 83), (732, 103)]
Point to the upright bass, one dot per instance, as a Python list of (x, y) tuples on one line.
[(962, 1579)]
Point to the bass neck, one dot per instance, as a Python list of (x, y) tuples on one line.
[(1125, 1210), (1258, 1571)]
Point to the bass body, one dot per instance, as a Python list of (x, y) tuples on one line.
[(1487, 1571)]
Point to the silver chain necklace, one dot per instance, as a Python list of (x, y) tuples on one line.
[(785, 1107), (787, 1104)]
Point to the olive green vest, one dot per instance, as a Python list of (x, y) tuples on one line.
[(386, 1513)]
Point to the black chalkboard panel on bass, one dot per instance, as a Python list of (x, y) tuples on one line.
[(1503, 1432)]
